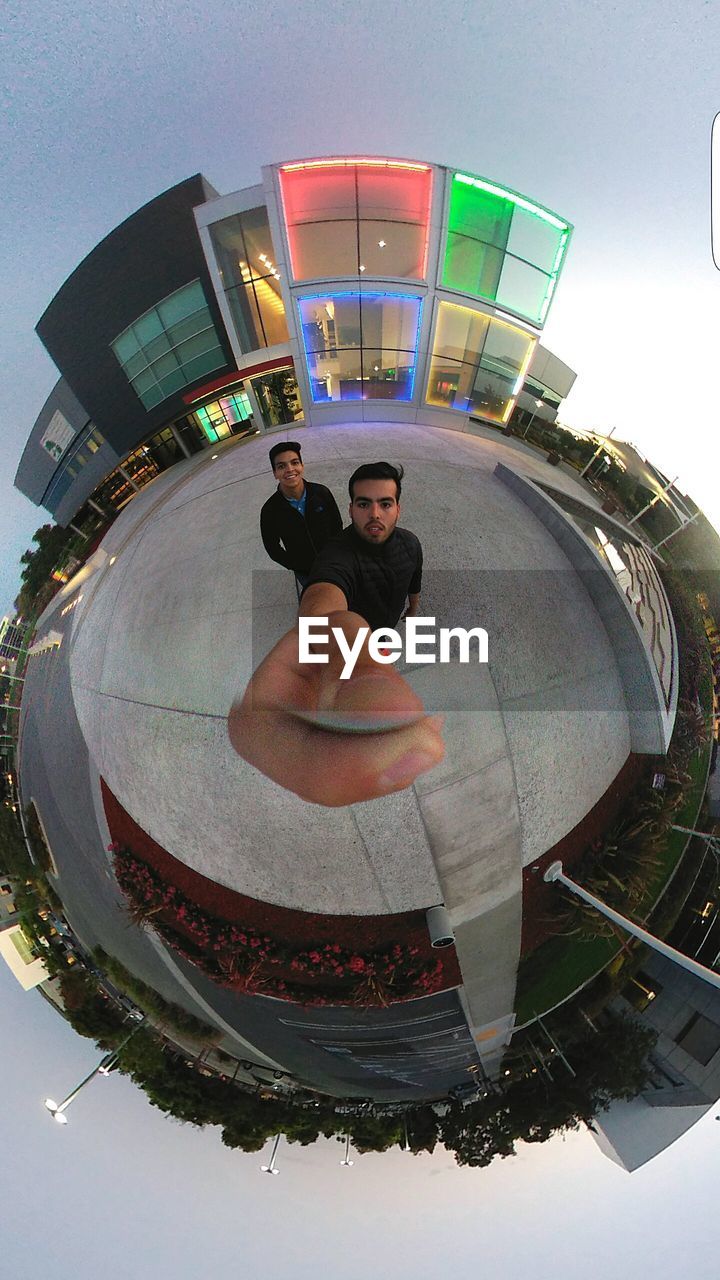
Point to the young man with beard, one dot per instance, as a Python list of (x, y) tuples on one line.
[(374, 566), (337, 741)]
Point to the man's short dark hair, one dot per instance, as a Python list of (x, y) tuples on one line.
[(376, 471), (288, 446)]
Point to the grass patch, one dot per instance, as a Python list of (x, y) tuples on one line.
[(37, 841), (152, 1003), (557, 968)]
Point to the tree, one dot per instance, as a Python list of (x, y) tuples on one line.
[(14, 857), (87, 1011), (479, 1132), (375, 1133), (422, 1129), (39, 563)]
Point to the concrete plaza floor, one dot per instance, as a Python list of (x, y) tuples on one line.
[(182, 605)]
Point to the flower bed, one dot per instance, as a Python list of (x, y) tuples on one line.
[(253, 962)]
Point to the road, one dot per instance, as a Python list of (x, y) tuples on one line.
[(420, 1051)]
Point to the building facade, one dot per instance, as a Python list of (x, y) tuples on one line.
[(337, 289)]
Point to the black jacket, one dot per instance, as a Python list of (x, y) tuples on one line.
[(294, 541)]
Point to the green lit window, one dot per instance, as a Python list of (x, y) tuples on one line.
[(477, 363), (222, 418), (170, 346), (502, 247)]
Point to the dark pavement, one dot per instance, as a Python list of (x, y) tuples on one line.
[(413, 1050)]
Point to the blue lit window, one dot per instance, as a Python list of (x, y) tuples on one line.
[(360, 346)]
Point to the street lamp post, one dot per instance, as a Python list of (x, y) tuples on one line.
[(406, 1147), (599, 449), (104, 1067), (347, 1162), (555, 872), (656, 546), (538, 405), (712, 841), (270, 1168), (652, 503), (57, 1109)]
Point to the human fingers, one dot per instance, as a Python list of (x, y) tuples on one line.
[(329, 740), (330, 767)]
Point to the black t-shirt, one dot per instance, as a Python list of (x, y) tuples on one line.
[(374, 579)]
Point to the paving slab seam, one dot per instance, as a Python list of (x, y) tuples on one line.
[(153, 706)]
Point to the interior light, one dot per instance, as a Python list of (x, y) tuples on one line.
[(353, 160), (362, 268), (381, 244)]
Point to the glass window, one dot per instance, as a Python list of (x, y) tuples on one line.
[(175, 380), (522, 288), (476, 362), (182, 303), (388, 322), (505, 349), (357, 216), (278, 396), (502, 247), (387, 375), (165, 365), (490, 394), (259, 314), (472, 267), (360, 346), (330, 322), (243, 247), (271, 308), (170, 346), (700, 1038), (147, 328), (533, 239), (126, 346), (459, 332), (246, 260), (185, 328), (153, 350), (246, 315)]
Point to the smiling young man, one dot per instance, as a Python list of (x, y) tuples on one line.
[(300, 517), (374, 566)]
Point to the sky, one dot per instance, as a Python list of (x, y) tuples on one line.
[(603, 113), (123, 1190)]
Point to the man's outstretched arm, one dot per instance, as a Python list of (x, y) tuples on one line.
[(331, 741)]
